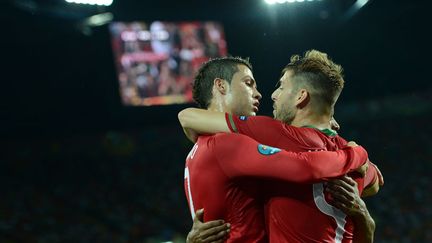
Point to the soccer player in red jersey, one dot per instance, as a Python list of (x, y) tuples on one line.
[(222, 171), (305, 99)]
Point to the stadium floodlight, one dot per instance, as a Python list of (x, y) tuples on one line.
[(271, 2), (92, 2), (360, 3)]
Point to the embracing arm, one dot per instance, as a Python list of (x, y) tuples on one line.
[(346, 197), (199, 121), (240, 156)]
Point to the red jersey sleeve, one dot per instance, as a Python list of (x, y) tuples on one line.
[(241, 156), (371, 175), (261, 128)]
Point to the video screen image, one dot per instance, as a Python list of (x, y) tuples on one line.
[(156, 62)]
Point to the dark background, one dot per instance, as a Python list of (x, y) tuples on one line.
[(77, 166)]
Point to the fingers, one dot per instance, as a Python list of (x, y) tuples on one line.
[(349, 180), (352, 144), (198, 220), (216, 233), (211, 231), (345, 182), (343, 207), (340, 195), (211, 224), (215, 230), (343, 190)]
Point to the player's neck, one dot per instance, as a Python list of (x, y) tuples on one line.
[(308, 118), (217, 105)]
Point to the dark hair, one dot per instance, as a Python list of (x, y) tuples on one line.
[(323, 77), (223, 68)]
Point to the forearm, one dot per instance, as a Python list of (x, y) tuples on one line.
[(333, 165), (203, 121), (307, 167), (191, 134), (364, 228)]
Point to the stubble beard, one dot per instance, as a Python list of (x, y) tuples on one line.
[(285, 115)]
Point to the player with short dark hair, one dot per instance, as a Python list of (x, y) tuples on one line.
[(218, 68)]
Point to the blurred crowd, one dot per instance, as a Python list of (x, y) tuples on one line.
[(156, 62), (403, 150), (127, 186)]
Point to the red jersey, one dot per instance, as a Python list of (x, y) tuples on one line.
[(222, 173), (300, 212)]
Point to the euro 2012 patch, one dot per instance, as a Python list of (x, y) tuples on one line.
[(267, 150), (243, 118)]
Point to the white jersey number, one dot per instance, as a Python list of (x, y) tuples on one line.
[(188, 180), (326, 208)]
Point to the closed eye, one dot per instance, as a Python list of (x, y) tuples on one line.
[(249, 82)]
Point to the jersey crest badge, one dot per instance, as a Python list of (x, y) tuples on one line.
[(267, 150), (243, 118)]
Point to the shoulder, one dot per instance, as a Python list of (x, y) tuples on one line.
[(232, 142), (309, 137), (229, 138), (300, 132), (228, 146)]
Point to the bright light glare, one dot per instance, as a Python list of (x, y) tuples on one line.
[(271, 2), (92, 2), (360, 3)]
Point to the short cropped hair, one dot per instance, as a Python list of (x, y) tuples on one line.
[(317, 72), (223, 68)]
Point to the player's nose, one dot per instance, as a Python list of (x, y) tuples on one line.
[(257, 95), (274, 95)]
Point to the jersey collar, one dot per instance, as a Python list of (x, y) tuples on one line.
[(326, 131)]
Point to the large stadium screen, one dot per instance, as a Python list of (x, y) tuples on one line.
[(157, 61)]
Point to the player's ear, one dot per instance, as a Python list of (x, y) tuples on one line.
[(303, 98), (221, 85)]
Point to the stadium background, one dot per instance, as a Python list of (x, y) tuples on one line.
[(77, 166)]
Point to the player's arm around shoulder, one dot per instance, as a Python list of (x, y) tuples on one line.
[(200, 121)]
